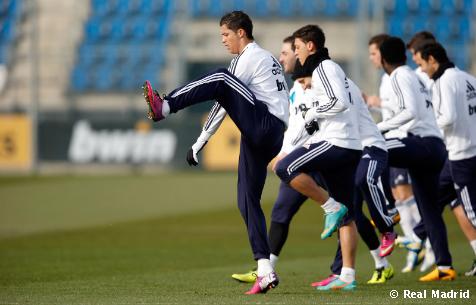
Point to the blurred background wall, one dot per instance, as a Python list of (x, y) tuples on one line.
[(71, 71)]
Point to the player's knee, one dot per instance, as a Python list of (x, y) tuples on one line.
[(282, 171)]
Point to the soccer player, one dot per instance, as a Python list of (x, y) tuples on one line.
[(289, 200), (454, 103), (333, 151), (399, 177), (422, 151), (368, 183), (253, 93)]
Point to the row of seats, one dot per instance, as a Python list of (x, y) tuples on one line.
[(454, 30), (122, 46), (115, 78), (126, 8), (276, 8), (112, 54), (115, 29), (423, 7)]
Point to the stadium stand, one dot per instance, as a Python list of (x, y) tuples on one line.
[(125, 40), (123, 44), (277, 8), (449, 20)]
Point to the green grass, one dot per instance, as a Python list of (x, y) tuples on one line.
[(179, 250)]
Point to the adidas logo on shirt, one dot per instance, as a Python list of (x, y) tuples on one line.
[(470, 91)]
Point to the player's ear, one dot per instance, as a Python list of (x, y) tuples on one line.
[(241, 33), (310, 46)]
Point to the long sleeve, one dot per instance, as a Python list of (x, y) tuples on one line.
[(334, 99), (446, 114), (406, 97), (213, 122)]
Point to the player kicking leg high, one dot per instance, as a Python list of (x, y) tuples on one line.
[(253, 93), (329, 152)]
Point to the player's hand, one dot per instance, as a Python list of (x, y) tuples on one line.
[(373, 101), (192, 158), (312, 127)]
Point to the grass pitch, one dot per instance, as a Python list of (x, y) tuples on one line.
[(113, 240)]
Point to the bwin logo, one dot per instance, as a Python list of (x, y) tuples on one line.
[(470, 91)]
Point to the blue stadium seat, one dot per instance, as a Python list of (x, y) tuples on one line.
[(6, 30), (395, 7), (105, 8), (431, 7), (80, 79), (341, 8), (129, 7)]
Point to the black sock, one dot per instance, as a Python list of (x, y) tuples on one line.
[(278, 233)]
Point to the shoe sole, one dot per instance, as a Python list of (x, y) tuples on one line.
[(242, 280), (147, 91)]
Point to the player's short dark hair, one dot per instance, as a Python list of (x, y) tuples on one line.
[(311, 32), (289, 39), (392, 50), (417, 47), (378, 39), (238, 20), (436, 50), (418, 37)]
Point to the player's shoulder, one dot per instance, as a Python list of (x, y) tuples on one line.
[(404, 73), (329, 68)]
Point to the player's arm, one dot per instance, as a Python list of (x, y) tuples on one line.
[(407, 96), (446, 114), (214, 120), (335, 100)]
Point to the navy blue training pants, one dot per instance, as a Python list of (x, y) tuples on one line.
[(424, 158), (446, 196)]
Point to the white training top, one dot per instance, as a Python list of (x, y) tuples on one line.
[(414, 105), (369, 133), (454, 102), (388, 108), (329, 97), (261, 72), (296, 134)]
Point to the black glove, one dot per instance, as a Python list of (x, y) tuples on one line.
[(312, 127), (190, 159)]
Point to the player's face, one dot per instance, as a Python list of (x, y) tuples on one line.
[(230, 39), (287, 58), (416, 56), (302, 49), (374, 56), (428, 66), (305, 82)]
